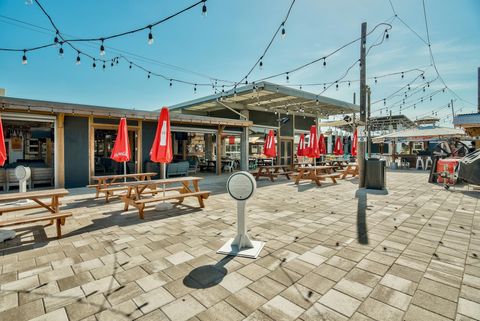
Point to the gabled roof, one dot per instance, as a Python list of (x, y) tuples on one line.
[(266, 96), (396, 121)]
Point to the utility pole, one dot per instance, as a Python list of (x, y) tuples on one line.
[(363, 104), (478, 90), (369, 137), (453, 110)]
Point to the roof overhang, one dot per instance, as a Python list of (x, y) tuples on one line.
[(49, 107), (420, 134), (265, 96)]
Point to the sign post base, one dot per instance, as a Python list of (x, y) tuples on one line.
[(250, 252)]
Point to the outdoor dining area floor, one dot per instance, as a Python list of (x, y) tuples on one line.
[(331, 253)]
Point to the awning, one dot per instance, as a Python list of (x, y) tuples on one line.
[(420, 134)]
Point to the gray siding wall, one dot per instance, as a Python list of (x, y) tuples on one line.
[(148, 135), (76, 151)]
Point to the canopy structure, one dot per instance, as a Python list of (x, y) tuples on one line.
[(392, 122), (420, 134), (270, 97), (470, 122)]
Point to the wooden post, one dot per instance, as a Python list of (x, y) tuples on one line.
[(60, 142), (369, 137), (219, 149), (363, 104)]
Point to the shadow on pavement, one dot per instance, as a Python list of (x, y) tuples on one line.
[(361, 194), (207, 276)]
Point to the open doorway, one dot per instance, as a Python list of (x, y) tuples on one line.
[(103, 145)]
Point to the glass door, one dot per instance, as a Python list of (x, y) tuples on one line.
[(103, 145), (286, 151)]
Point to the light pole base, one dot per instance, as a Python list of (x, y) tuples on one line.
[(250, 252)]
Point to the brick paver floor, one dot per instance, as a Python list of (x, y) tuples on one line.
[(331, 253)]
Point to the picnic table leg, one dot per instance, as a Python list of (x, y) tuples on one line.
[(59, 228), (259, 172), (199, 197), (313, 176), (127, 199), (286, 173), (141, 207), (270, 174), (299, 176)]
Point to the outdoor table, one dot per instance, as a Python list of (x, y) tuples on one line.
[(351, 169), (136, 192), (340, 163), (272, 171), (315, 174), (38, 197), (108, 184)]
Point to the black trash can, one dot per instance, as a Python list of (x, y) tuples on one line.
[(375, 177)]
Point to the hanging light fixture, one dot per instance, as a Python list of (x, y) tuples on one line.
[(288, 78), (204, 8), (24, 58), (94, 64), (283, 30), (55, 40), (195, 89), (324, 61), (60, 51), (130, 66), (171, 84), (102, 49), (148, 75), (78, 58), (103, 67), (150, 35)]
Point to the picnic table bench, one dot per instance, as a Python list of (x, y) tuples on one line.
[(52, 204), (136, 191), (272, 171), (316, 174), (108, 184), (350, 169)]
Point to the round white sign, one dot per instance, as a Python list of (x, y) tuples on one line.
[(241, 185), (22, 172)]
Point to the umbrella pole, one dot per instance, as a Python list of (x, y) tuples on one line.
[(164, 205), (125, 171), (164, 177)]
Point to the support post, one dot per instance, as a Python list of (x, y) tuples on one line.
[(453, 110), (363, 105), (244, 144), (369, 133), (478, 90), (219, 149)]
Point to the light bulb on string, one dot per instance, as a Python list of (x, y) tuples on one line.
[(204, 9), (130, 67), (430, 98), (408, 87), (150, 35), (60, 51), (77, 62), (111, 63), (103, 67), (324, 62), (94, 64), (24, 58), (324, 86), (349, 84), (376, 80), (171, 84), (443, 90), (102, 49), (148, 75), (403, 75), (423, 76), (384, 102), (55, 40), (387, 36), (336, 86), (195, 89), (283, 30), (287, 78)]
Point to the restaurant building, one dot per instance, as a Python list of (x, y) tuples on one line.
[(67, 144)]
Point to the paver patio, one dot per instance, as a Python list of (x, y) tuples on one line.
[(331, 253)]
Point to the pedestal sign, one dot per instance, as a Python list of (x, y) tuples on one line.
[(241, 186)]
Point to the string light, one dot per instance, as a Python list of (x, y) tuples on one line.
[(130, 66), (195, 89), (148, 75), (60, 51), (204, 8), (288, 78), (150, 35), (283, 30), (78, 58), (387, 36), (55, 40), (103, 67), (171, 83), (324, 62), (94, 64), (260, 64), (24, 58), (102, 49)]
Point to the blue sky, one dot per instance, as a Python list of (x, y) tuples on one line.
[(228, 41)]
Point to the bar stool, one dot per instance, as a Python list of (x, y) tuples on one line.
[(420, 163), (428, 163)]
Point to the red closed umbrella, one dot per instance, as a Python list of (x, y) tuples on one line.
[(338, 150), (322, 147), (301, 146), (231, 140), (3, 151), (121, 148), (313, 150), (354, 143), (161, 151), (270, 149)]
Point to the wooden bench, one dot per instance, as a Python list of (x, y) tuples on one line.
[(58, 217), (141, 203), (109, 184), (38, 198), (136, 191), (332, 176)]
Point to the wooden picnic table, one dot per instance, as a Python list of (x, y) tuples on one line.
[(316, 173), (340, 163), (52, 205), (351, 169), (136, 192), (108, 184), (272, 171)]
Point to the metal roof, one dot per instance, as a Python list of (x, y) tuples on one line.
[(421, 134), (384, 122), (467, 120), (30, 105), (266, 96)]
